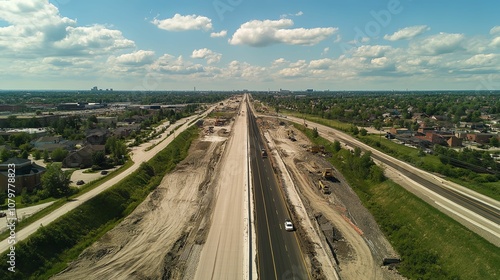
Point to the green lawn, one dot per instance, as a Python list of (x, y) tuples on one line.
[(431, 244), (60, 202), (331, 123)]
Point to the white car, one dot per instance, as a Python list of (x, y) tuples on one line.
[(288, 225)]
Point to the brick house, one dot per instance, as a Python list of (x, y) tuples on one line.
[(433, 138), (480, 138), (81, 158), (28, 174), (454, 141)]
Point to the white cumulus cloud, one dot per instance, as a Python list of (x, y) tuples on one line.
[(495, 30), (441, 43), (496, 42), (220, 34), (209, 55), (325, 51), (137, 58), (183, 23), (324, 63), (371, 51), (169, 64), (35, 28), (258, 33), (482, 59), (407, 33)]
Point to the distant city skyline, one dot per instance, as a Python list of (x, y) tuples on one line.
[(255, 45)]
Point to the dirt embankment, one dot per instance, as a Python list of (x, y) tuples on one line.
[(358, 244), (148, 243)]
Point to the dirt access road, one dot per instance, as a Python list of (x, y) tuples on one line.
[(225, 254), (138, 247)]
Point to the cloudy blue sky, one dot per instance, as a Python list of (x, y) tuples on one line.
[(251, 44)]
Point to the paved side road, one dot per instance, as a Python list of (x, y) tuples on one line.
[(23, 213)]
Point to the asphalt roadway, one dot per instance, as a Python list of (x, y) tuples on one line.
[(278, 253)]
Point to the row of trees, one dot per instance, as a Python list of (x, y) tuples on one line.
[(360, 108), (26, 100), (468, 156)]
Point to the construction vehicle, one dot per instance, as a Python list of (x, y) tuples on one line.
[(220, 122), (327, 173), (317, 149), (324, 187), (263, 153)]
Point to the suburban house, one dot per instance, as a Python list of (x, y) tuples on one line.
[(425, 130), (97, 136), (28, 174), (432, 137), (454, 142), (394, 130), (50, 143), (419, 116), (81, 158), (480, 138), (125, 131)]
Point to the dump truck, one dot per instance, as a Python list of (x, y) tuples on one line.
[(317, 149), (324, 187)]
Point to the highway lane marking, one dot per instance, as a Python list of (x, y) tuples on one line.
[(282, 196), (267, 224), (428, 192), (467, 219)]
